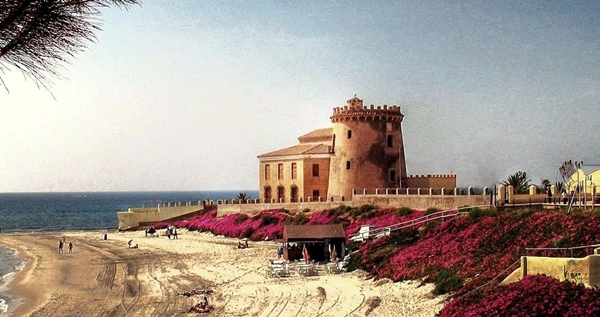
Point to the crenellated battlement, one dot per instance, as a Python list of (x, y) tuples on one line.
[(433, 176), (354, 109)]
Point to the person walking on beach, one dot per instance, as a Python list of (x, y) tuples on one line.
[(70, 247), (60, 246)]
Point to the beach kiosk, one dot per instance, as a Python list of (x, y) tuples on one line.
[(319, 241)]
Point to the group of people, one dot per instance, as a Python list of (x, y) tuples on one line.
[(61, 245), (202, 306), (172, 231)]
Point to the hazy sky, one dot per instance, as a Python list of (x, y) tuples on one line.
[(183, 95)]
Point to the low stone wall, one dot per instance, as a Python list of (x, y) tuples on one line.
[(420, 202), (584, 271), (226, 209), (134, 216)]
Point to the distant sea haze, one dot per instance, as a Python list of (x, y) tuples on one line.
[(87, 210)]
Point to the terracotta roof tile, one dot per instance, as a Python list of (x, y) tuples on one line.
[(319, 135), (300, 149), (311, 232)]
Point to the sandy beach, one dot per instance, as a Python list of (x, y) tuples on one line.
[(106, 278)]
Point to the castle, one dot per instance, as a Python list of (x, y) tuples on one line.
[(363, 149)]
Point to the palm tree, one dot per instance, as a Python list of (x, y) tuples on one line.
[(37, 37), (545, 186), (519, 182), (241, 197)]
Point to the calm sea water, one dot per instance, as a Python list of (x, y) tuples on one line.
[(27, 212)]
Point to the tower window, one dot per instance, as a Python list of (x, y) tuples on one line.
[(349, 134), (267, 172), (280, 171), (315, 170), (348, 165), (390, 140), (392, 174)]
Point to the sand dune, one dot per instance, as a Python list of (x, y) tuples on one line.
[(106, 278)]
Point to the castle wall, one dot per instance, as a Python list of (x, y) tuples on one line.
[(134, 216), (419, 202), (584, 271), (315, 183), (431, 181)]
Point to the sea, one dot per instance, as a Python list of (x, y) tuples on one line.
[(69, 211)]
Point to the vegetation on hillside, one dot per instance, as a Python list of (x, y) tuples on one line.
[(460, 255)]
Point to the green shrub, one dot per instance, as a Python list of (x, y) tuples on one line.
[(355, 262), (447, 282), (404, 211), (268, 220), (431, 210), (301, 219), (477, 212), (241, 218), (305, 210), (367, 214), (248, 232), (367, 207)]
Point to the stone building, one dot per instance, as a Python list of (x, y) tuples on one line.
[(363, 149)]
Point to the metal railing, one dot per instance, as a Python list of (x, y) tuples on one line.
[(566, 251), (414, 222)]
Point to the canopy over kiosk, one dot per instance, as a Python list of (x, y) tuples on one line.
[(318, 239)]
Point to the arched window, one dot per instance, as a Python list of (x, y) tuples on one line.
[(268, 194), (280, 194), (294, 194)]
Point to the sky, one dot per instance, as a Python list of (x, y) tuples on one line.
[(184, 95)]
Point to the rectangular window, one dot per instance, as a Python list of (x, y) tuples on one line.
[(390, 140), (280, 171), (349, 134), (267, 172), (392, 176), (294, 170), (315, 170), (315, 193), (348, 165)]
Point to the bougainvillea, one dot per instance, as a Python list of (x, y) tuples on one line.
[(480, 249), (537, 295)]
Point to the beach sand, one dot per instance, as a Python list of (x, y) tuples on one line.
[(106, 278)]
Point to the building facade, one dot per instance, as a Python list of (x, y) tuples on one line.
[(363, 149)]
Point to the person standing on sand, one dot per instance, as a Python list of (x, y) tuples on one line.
[(70, 247), (60, 246)]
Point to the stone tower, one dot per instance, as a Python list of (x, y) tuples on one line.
[(367, 149)]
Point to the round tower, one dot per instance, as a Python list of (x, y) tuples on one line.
[(368, 150)]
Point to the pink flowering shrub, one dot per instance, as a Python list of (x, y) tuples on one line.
[(537, 295), (476, 249), (268, 223)]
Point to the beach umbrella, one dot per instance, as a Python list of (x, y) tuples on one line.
[(305, 255), (333, 255)]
